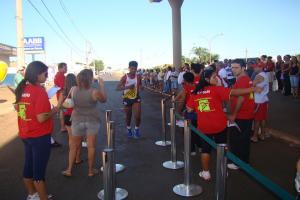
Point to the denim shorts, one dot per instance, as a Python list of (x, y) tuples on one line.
[(37, 153), (85, 128), (294, 81)]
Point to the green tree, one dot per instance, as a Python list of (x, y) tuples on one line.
[(99, 65), (203, 54)]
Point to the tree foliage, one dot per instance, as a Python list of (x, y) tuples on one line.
[(203, 55), (99, 65)]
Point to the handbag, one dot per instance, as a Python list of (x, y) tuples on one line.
[(68, 102)]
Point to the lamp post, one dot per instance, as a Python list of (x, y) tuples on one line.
[(209, 41), (176, 27)]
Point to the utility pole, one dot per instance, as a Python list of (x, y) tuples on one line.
[(176, 26), (20, 35)]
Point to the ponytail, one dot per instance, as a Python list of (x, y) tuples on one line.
[(19, 90), (207, 73)]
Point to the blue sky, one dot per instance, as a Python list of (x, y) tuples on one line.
[(121, 30)]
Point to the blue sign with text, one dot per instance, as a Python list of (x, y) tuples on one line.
[(34, 43)]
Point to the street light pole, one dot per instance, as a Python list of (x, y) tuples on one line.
[(20, 35), (209, 43)]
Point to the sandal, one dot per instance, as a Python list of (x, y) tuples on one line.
[(261, 137), (66, 173), (93, 173), (254, 139), (78, 163)]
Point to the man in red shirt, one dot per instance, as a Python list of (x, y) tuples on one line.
[(242, 113), (59, 81)]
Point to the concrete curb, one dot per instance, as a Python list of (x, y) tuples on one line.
[(292, 140)]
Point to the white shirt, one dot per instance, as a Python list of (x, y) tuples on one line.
[(180, 77), (263, 96), (223, 74), (167, 75)]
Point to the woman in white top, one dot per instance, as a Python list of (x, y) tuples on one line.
[(261, 100)]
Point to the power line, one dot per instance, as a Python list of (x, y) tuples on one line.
[(47, 22), (59, 27), (66, 11)]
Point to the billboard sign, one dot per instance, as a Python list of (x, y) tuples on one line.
[(34, 44)]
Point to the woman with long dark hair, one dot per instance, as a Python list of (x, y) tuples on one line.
[(70, 84), (207, 101), (35, 127)]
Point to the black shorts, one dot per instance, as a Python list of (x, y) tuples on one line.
[(67, 120), (219, 138), (130, 102)]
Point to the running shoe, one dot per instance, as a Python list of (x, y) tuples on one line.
[(137, 133), (232, 166), (129, 133), (205, 175), (180, 123)]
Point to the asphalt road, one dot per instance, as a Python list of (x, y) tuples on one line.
[(144, 177)]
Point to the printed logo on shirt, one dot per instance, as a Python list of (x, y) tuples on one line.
[(204, 105), (130, 94), (22, 111)]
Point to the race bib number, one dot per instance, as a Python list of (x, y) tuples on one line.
[(130, 94)]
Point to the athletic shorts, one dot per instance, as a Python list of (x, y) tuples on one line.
[(219, 138), (37, 153), (85, 128), (261, 111), (67, 120), (130, 102)]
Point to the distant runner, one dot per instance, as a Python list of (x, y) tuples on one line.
[(130, 83)]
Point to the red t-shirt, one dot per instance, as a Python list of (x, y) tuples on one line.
[(59, 81), (247, 109), (34, 101), (196, 79), (211, 118), (188, 89), (269, 67)]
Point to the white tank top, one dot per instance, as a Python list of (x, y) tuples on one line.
[(130, 93), (263, 96)]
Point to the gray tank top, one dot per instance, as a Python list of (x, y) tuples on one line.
[(85, 108)]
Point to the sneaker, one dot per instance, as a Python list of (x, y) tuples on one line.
[(205, 175), (83, 144), (137, 133), (232, 166), (180, 123), (129, 133), (36, 196)]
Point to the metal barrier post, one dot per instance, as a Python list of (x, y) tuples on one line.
[(173, 163), (173, 101), (163, 142), (221, 172), (110, 136), (107, 193), (187, 189)]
